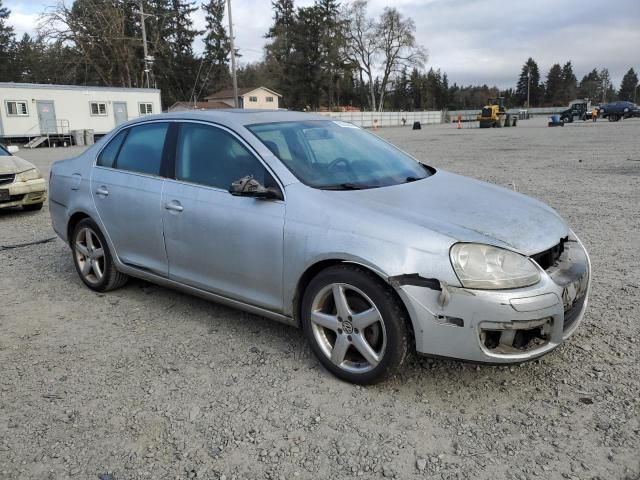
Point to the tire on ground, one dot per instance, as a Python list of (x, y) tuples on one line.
[(393, 313), (112, 278)]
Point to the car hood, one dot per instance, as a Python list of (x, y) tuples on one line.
[(466, 210), (14, 164)]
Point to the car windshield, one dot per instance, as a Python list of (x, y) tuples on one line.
[(337, 155), (3, 152)]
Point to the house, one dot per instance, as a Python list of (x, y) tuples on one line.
[(253, 97), (33, 110), (187, 106)]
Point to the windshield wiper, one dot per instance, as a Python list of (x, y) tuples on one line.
[(345, 186)]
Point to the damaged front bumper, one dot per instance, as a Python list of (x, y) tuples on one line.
[(17, 194), (501, 326)]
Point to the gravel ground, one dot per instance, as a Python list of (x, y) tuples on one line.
[(145, 382)]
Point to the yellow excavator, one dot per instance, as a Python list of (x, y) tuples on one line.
[(495, 115)]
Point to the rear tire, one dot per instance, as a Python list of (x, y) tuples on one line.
[(33, 207), (355, 324), (92, 258)]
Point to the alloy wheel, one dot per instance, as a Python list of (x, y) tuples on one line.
[(90, 255), (348, 327)]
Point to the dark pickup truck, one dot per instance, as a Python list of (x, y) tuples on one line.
[(619, 110)]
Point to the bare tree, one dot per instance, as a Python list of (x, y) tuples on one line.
[(100, 32), (362, 45), (398, 47)]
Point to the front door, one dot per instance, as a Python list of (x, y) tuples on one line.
[(127, 189), (120, 112), (46, 117), (229, 245)]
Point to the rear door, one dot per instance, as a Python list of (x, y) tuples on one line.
[(126, 186), (229, 245)]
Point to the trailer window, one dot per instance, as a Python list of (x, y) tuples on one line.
[(146, 108), (17, 108), (98, 108)]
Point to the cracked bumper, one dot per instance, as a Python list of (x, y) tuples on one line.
[(23, 193), (484, 325)]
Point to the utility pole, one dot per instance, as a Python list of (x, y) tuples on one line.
[(528, 86), (233, 58), (148, 61)]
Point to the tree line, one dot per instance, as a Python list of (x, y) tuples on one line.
[(327, 55), (561, 86)]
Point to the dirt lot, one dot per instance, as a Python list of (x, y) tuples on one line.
[(145, 382)]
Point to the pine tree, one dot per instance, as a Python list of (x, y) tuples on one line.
[(553, 87), (607, 93), (278, 53), (569, 83), (529, 82), (332, 38), (629, 86), (590, 86), (217, 47), (7, 41)]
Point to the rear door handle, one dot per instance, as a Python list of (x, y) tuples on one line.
[(102, 191), (174, 206)]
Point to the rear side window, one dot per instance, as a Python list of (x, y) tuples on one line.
[(108, 155), (142, 149), (210, 156)]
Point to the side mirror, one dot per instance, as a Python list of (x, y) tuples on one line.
[(250, 187), (13, 149)]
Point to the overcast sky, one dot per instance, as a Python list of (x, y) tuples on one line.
[(474, 41)]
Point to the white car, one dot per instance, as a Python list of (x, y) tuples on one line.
[(21, 184)]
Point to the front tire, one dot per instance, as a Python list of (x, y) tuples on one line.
[(355, 324), (92, 258)]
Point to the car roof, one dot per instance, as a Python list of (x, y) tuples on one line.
[(235, 117)]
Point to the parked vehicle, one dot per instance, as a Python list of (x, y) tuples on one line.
[(578, 110), (619, 110), (320, 224), (21, 184)]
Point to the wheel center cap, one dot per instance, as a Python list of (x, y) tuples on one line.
[(347, 327)]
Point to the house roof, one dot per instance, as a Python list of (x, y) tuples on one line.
[(200, 105), (228, 92)]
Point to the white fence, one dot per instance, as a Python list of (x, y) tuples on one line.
[(453, 114), (385, 119)]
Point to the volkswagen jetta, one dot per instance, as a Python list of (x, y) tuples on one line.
[(323, 225)]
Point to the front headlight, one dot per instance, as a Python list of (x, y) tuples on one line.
[(492, 268), (27, 175)]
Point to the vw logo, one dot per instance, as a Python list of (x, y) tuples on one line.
[(347, 327)]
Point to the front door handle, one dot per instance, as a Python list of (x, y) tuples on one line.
[(174, 206), (102, 190)]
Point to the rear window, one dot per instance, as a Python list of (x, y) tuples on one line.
[(108, 155), (137, 149)]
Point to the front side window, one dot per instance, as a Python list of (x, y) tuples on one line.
[(98, 108), (336, 155), (146, 108), (142, 149), (210, 156), (17, 108)]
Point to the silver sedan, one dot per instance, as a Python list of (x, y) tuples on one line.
[(323, 225)]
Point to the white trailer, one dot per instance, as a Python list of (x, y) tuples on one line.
[(39, 112)]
